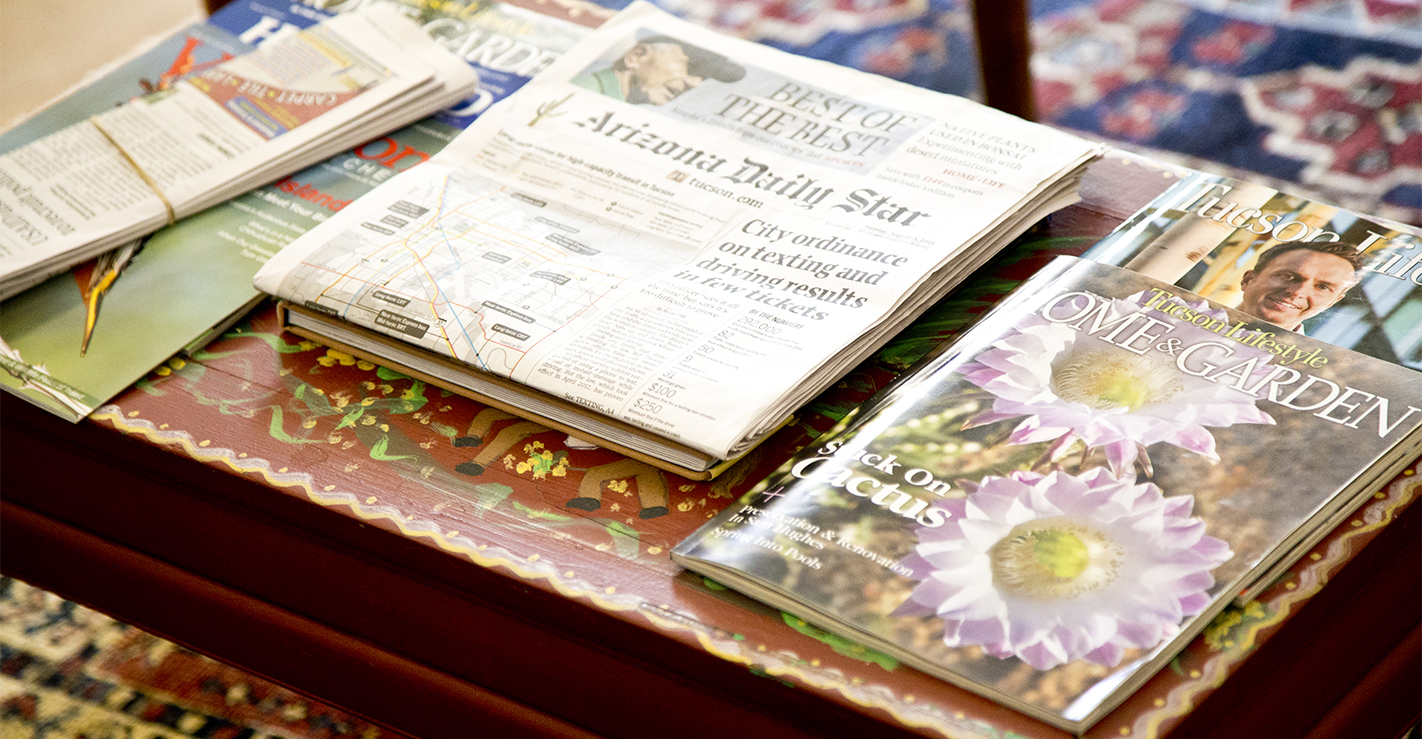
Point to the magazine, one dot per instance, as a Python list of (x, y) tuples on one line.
[(297, 99), (680, 232), (1349, 279), (193, 280), (1047, 509)]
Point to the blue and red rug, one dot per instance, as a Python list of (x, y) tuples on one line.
[(1322, 98), (66, 671)]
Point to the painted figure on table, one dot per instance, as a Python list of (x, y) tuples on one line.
[(599, 466)]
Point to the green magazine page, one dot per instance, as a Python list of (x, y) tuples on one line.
[(187, 278)]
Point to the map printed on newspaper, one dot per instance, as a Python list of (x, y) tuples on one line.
[(687, 232), (544, 267)]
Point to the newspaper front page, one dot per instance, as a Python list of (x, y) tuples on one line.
[(125, 172), (687, 232)]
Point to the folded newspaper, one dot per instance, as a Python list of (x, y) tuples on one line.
[(670, 239), (296, 100)]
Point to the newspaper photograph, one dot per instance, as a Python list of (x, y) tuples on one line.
[(684, 231)]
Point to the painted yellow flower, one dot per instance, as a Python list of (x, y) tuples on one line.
[(1219, 629), (544, 463), (334, 357)]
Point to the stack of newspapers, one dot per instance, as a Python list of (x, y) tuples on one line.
[(296, 100), (669, 239)]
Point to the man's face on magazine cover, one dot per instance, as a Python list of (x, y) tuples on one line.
[(658, 73), (1295, 286)]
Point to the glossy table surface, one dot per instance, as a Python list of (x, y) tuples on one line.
[(413, 557)]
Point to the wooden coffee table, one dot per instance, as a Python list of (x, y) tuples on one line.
[(412, 557)]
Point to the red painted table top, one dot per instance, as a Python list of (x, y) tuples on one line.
[(489, 491)]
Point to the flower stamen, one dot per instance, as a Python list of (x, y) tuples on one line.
[(1056, 559), (1106, 380)]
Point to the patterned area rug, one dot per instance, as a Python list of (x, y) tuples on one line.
[(1322, 98), (1338, 114), (66, 671)]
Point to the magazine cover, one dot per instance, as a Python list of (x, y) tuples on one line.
[(69, 349), (1348, 279), (1050, 507)]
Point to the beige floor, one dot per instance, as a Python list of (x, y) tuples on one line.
[(47, 46)]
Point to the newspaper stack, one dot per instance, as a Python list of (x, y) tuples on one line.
[(300, 98), (671, 239)]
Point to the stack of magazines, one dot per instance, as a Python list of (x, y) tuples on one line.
[(1070, 492), (669, 239), (298, 99)]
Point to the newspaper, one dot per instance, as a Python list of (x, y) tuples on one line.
[(193, 280), (690, 233), (125, 172)]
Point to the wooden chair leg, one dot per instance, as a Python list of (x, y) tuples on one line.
[(1004, 49)]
